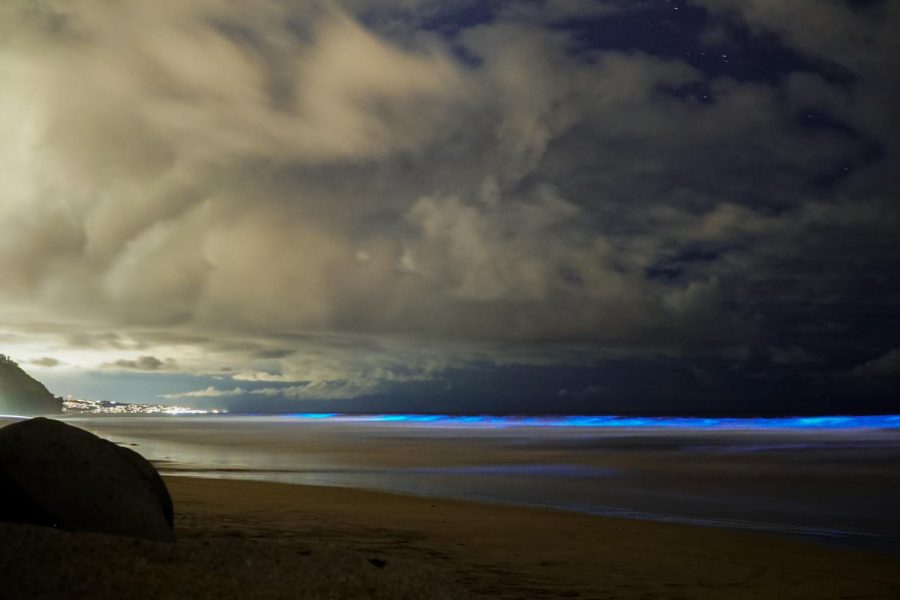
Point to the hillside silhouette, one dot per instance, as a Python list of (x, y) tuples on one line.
[(21, 394)]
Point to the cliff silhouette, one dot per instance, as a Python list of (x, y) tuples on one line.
[(21, 394)]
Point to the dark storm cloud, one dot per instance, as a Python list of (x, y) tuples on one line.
[(143, 363), (46, 362), (344, 200), (886, 366), (792, 355)]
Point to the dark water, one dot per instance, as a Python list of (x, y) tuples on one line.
[(835, 480)]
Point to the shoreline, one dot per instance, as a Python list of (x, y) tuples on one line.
[(828, 537), (242, 540), (513, 551), (784, 482)]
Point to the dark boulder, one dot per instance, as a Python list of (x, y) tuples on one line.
[(61, 476)]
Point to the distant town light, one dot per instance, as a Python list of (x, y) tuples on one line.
[(72, 405)]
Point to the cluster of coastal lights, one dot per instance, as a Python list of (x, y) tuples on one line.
[(612, 421), (81, 406)]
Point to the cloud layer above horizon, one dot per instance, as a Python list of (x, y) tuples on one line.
[(322, 201)]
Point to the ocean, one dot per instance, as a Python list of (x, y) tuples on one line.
[(835, 479)]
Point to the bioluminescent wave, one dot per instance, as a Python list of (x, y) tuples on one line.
[(824, 476), (612, 421)]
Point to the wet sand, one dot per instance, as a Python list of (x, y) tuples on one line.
[(495, 551), (820, 481)]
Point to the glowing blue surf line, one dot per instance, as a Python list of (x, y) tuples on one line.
[(612, 421)]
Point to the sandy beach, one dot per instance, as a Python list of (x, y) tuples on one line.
[(240, 539)]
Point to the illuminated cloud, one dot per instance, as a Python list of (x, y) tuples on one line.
[(209, 392), (336, 201)]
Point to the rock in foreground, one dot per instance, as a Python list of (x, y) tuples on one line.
[(57, 475)]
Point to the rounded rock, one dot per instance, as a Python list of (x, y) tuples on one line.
[(57, 475)]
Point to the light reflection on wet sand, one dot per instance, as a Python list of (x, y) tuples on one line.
[(823, 481)]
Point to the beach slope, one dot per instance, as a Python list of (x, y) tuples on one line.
[(240, 539)]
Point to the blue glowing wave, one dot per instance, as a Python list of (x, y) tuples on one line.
[(611, 421)]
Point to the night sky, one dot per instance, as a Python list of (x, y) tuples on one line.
[(547, 206)]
